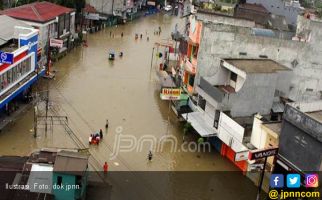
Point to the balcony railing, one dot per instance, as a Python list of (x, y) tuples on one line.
[(211, 90)]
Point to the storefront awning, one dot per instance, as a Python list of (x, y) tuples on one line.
[(199, 124)]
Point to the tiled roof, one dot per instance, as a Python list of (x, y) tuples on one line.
[(89, 9), (38, 12)]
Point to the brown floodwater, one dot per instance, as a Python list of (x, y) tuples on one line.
[(88, 89)]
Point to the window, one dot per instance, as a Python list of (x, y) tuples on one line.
[(216, 121), (233, 76), (263, 56), (67, 22), (59, 180), (191, 80), (12, 75), (242, 53)]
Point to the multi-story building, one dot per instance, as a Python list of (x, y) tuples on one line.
[(120, 8), (18, 62), (226, 104), (300, 143), (59, 23), (190, 67), (299, 53)]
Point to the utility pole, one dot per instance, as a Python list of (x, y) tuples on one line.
[(47, 102), (151, 62), (48, 52), (35, 121), (261, 180)]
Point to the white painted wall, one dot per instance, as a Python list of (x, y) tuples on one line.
[(258, 136)]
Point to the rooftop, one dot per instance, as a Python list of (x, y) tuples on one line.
[(71, 163), (37, 12), (256, 65), (275, 127), (317, 115), (253, 7), (8, 30)]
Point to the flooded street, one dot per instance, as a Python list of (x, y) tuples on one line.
[(89, 89)]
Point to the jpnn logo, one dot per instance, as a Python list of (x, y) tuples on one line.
[(277, 181)]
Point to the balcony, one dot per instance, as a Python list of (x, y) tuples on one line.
[(191, 67), (213, 91)]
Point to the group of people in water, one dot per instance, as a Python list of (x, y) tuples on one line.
[(95, 138)]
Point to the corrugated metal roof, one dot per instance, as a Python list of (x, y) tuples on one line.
[(37, 12), (71, 163), (7, 25)]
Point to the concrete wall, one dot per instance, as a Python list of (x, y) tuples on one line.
[(222, 41), (256, 95), (300, 140), (258, 137), (218, 18)]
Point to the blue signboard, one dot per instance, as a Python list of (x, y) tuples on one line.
[(32, 44), (6, 58)]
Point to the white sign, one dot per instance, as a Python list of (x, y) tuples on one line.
[(232, 127), (56, 43), (170, 94), (240, 156)]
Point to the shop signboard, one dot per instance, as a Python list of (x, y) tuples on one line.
[(56, 43), (258, 154), (170, 93), (241, 156)]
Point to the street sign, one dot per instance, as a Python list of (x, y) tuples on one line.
[(240, 156), (56, 43), (6, 58), (258, 154)]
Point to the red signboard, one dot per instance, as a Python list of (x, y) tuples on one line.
[(258, 154)]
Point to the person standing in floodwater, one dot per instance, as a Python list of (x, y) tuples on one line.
[(110, 33), (105, 167), (150, 156), (122, 34), (106, 124), (101, 134)]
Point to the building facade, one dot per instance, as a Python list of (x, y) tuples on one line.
[(18, 66), (57, 24), (300, 143)]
